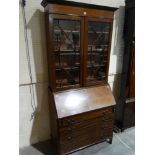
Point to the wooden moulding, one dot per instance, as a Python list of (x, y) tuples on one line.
[(78, 9), (44, 3)]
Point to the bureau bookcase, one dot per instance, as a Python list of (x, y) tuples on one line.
[(78, 51)]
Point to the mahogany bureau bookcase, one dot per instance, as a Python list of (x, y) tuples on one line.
[(78, 51)]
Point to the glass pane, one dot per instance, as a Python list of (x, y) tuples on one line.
[(67, 52), (98, 42)]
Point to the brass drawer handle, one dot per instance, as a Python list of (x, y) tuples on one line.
[(71, 121), (106, 119), (106, 111), (69, 138), (105, 126)]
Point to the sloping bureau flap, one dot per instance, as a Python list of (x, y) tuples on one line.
[(74, 102)]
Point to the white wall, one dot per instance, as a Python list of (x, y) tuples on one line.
[(38, 129)]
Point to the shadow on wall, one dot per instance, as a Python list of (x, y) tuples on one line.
[(41, 121), (40, 134), (37, 46)]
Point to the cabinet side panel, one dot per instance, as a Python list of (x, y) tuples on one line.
[(50, 56), (53, 121)]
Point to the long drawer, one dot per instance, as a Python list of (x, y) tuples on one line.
[(86, 137), (80, 126), (95, 130), (77, 119)]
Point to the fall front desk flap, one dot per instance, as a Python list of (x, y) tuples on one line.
[(74, 102)]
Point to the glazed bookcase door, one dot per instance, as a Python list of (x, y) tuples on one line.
[(66, 40), (98, 48)]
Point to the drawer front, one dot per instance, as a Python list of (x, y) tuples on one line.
[(99, 130), (102, 122), (85, 138), (79, 143), (78, 119)]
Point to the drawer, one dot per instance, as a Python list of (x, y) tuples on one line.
[(78, 119), (80, 143), (90, 136), (103, 122), (98, 129)]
